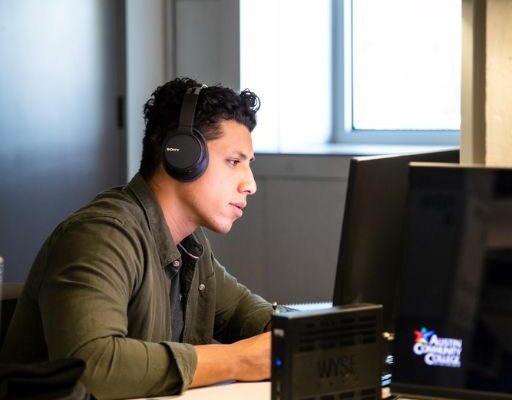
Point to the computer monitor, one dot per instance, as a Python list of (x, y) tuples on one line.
[(371, 239), (454, 315)]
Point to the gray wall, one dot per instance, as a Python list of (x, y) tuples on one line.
[(206, 41), (61, 129), (286, 245), (170, 38), (147, 45)]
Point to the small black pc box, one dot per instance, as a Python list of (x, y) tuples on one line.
[(328, 354)]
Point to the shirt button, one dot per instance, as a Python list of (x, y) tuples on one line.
[(176, 263), (202, 287)]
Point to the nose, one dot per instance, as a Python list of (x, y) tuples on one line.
[(247, 183)]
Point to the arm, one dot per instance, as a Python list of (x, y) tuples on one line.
[(92, 272), (245, 360), (240, 319), (240, 313)]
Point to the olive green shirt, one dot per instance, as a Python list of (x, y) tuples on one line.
[(98, 291)]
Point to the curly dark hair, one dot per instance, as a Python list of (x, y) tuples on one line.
[(215, 104)]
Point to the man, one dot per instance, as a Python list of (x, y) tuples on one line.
[(129, 283)]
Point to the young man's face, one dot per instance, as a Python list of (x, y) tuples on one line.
[(218, 197)]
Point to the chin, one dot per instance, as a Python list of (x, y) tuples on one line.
[(221, 227), (222, 230)]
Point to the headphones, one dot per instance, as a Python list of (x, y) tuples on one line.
[(185, 153)]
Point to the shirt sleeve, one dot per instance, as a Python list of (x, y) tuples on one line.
[(239, 312), (92, 270)]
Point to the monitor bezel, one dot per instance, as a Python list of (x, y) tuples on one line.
[(425, 391)]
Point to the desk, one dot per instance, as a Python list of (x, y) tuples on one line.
[(234, 391), (225, 391)]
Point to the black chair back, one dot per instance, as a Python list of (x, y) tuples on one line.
[(9, 294)]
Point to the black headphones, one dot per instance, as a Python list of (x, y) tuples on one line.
[(185, 153)]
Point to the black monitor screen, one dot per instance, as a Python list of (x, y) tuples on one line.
[(370, 251), (454, 318), (371, 239)]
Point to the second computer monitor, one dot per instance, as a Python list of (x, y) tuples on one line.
[(370, 250)]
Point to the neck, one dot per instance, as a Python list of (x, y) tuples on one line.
[(175, 213)]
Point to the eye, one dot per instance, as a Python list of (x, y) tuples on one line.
[(233, 162)]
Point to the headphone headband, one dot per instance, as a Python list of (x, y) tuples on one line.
[(188, 109)]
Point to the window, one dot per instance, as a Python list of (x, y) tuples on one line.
[(285, 57), (353, 71)]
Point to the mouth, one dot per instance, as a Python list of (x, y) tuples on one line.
[(239, 206)]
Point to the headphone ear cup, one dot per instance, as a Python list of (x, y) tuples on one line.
[(185, 155)]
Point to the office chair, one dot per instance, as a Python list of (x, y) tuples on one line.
[(9, 293), (53, 379)]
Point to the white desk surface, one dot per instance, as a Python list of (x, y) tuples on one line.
[(234, 391), (225, 391)]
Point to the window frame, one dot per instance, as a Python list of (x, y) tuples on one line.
[(342, 126)]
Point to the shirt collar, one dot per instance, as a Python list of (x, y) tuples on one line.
[(167, 249), (191, 247)]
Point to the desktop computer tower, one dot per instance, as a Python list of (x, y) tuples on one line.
[(334, 353)]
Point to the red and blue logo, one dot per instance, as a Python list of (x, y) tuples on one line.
[(423, 335)]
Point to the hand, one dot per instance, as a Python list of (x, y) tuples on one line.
[(254, 355), (245, 360)]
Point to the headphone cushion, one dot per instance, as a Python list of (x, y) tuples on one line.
[(185, 155)]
